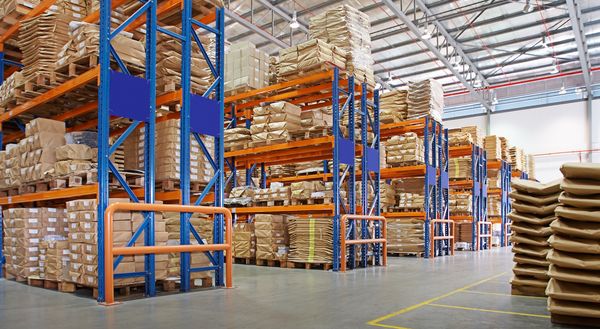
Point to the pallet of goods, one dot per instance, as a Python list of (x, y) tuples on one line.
[(457, 137), (393, 106), (493, 148), (272, 240), (532, 212), (460, 168), (574, 287), (405, 236), (244, 242), (404, 150), (425, 98), (347, 29), (310, 242), (275, 123), (246, 68), (307, 58)]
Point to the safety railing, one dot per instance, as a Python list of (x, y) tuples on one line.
[(110, 251), (344, 243), (437, 237), (487, 236)]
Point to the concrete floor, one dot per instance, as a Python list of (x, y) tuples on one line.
[(469, 290)]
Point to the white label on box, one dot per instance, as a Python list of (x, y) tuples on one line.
[(89, 257), (32, 248), (88, 236), (33, 231), (88, 216), (51, 229), (75, 256), (52, 220), (33, 210), (33, 259), (87, 225)]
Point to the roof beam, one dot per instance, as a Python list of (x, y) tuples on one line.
[(580, 39), (477, 94), (242, 21)]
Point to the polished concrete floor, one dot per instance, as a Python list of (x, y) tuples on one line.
[(469, 290)]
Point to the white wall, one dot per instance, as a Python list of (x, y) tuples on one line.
[(540, 130)]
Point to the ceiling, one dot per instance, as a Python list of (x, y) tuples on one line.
[(503, 40)]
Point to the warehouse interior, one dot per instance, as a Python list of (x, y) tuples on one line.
[(305, 164)]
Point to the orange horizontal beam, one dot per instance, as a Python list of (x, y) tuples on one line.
[(461, 217), (313, 208), (287, 96), (461, 184), (283, 146), (404, 214), (71, 192), (494, 164), (398, 128), (95, 16), (300, 178), (403, 172), (458, 151), (494, 191)]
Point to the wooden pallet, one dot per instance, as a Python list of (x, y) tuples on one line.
[(78, 66), (51, 284), (311, 133), (173, 185), (33, 187), (72, 180), (246, 261), (406, 254), (170, 285), (405, 164), (309, 266), (574, 321), (272, 203), (270, 142), (237, 147), (271, 263)]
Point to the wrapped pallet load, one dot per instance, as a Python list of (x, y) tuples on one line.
[(311, 240), (425, 98), (531, 215), (275, 123), (392, 106), (349, 29), (574, 287)]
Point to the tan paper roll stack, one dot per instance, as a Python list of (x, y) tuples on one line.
[(574, 287), (533, 211)]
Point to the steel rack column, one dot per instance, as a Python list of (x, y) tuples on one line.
[(352, 170), (184, 169), (149, 151), (364, 199), (335, 107), (375, 208), (219, 146), (484, 199), (430, 182), (103, 135), (443, 184), (505, 176), (113, 104), (263, 176), (475, 196)]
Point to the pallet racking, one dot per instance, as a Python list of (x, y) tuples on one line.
[(114, 101), (435, 174), (477, 187), (317, 90), (505, 177)]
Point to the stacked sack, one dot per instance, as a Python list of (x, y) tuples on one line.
[(244, 240), (574, 287), (275, 123), (533, 211), (460, 203), (460, 168), (348, 28), (308, 56), (425, 98), (311, 240), (237, 138), (404, 150), (392, 106)]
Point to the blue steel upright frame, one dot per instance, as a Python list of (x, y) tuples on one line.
[(435, 140), (479, 192), (106, 107), (370, 176), (505, 176)]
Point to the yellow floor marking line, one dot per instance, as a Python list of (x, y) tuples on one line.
[(375, 322), (489, 311), (499, 294)]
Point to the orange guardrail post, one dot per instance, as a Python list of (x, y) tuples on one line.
[(110, 251), (486, 236), (449, 237), (344, 242)]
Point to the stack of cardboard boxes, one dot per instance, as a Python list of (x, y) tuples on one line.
[(244, 240), (25, 229), (408, 201), (517, 159), (311, 240), (404, 150), (275, 123), (460, 204), (457, 137), (246, 67), (405, 235), (168, 154), (38, 149), (493, 147), (272, 242), (304, 189), (460, 168), (83, 242), (197, 259), (54, 259)]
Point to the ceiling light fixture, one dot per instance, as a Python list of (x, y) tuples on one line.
[(528, 7), (294, 23)]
